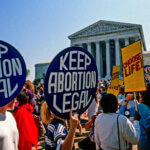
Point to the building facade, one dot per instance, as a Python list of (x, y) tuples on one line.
[(104, 40), (41, 69)]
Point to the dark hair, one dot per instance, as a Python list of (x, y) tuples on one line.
[(22, 98), (146, 97), (122, 89), (109, 103)]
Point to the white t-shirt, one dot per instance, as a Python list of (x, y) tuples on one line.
[(9, 135), (106, 131), (93, 108), (99, 96)]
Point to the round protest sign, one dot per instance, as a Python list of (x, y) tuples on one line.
[(71, 82), (12, 73), (147, 73)]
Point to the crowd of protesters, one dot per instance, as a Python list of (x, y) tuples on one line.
[(113, 122)]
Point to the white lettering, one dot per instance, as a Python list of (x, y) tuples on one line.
[(75, 102), (71, 60), (93, 79), (16, 67), (3, 51), (68, 81), (62, 62), (74, 81), (88, 100), (80, 60), (82, 99), (7, 70), (65, 102), (54, 104), (11, 92), (83, 83), (10, 67), (60, 82), (52, 82), (88, 80), (87, 61), (79, 80), (4, 89)]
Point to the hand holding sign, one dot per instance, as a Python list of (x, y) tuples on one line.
[(70, 82), (73, 121), (12, 73)]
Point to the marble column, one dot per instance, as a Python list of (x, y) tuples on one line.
[(98, 58), (107, 59), (117, 52), (89, 47), (126, 41)]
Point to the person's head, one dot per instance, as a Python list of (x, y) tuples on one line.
[(144, 97), (41, 91), (102, 88), (22, 98), (122, 91), (97, 90), (29, 85), (109, 103), (46, 114)]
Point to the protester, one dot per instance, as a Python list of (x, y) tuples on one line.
[(57, 136), (8, 129), (28, 133), (113, 130), (88, 143), (29, 88), (121, 96), (127, 107), (144, 111), (46, 115), (93, 108), (29, 85)]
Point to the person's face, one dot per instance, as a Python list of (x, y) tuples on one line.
[(10, 105)]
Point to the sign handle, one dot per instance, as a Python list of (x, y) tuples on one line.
[(135, 100)]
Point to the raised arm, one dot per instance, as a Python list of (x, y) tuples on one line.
[(69, 140)]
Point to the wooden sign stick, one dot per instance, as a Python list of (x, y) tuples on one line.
[(135, 101)]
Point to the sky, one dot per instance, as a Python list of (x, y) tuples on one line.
[(39, 29)]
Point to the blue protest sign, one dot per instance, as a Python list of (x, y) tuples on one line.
[(12, 73), (147, 73), (71, 82)]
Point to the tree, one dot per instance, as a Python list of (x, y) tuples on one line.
[(27, 72)]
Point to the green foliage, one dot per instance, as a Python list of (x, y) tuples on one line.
[(36, 81), (27, 72)]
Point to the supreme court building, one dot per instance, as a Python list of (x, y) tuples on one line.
[(104, 40)]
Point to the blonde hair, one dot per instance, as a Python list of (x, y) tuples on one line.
[(29, 85), (46, 114)]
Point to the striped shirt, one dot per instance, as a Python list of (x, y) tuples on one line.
[(55, 134)]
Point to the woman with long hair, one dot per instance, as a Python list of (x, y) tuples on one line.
[(57, 136), (28, 133)]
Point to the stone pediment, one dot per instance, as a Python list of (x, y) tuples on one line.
[(103, 27)]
